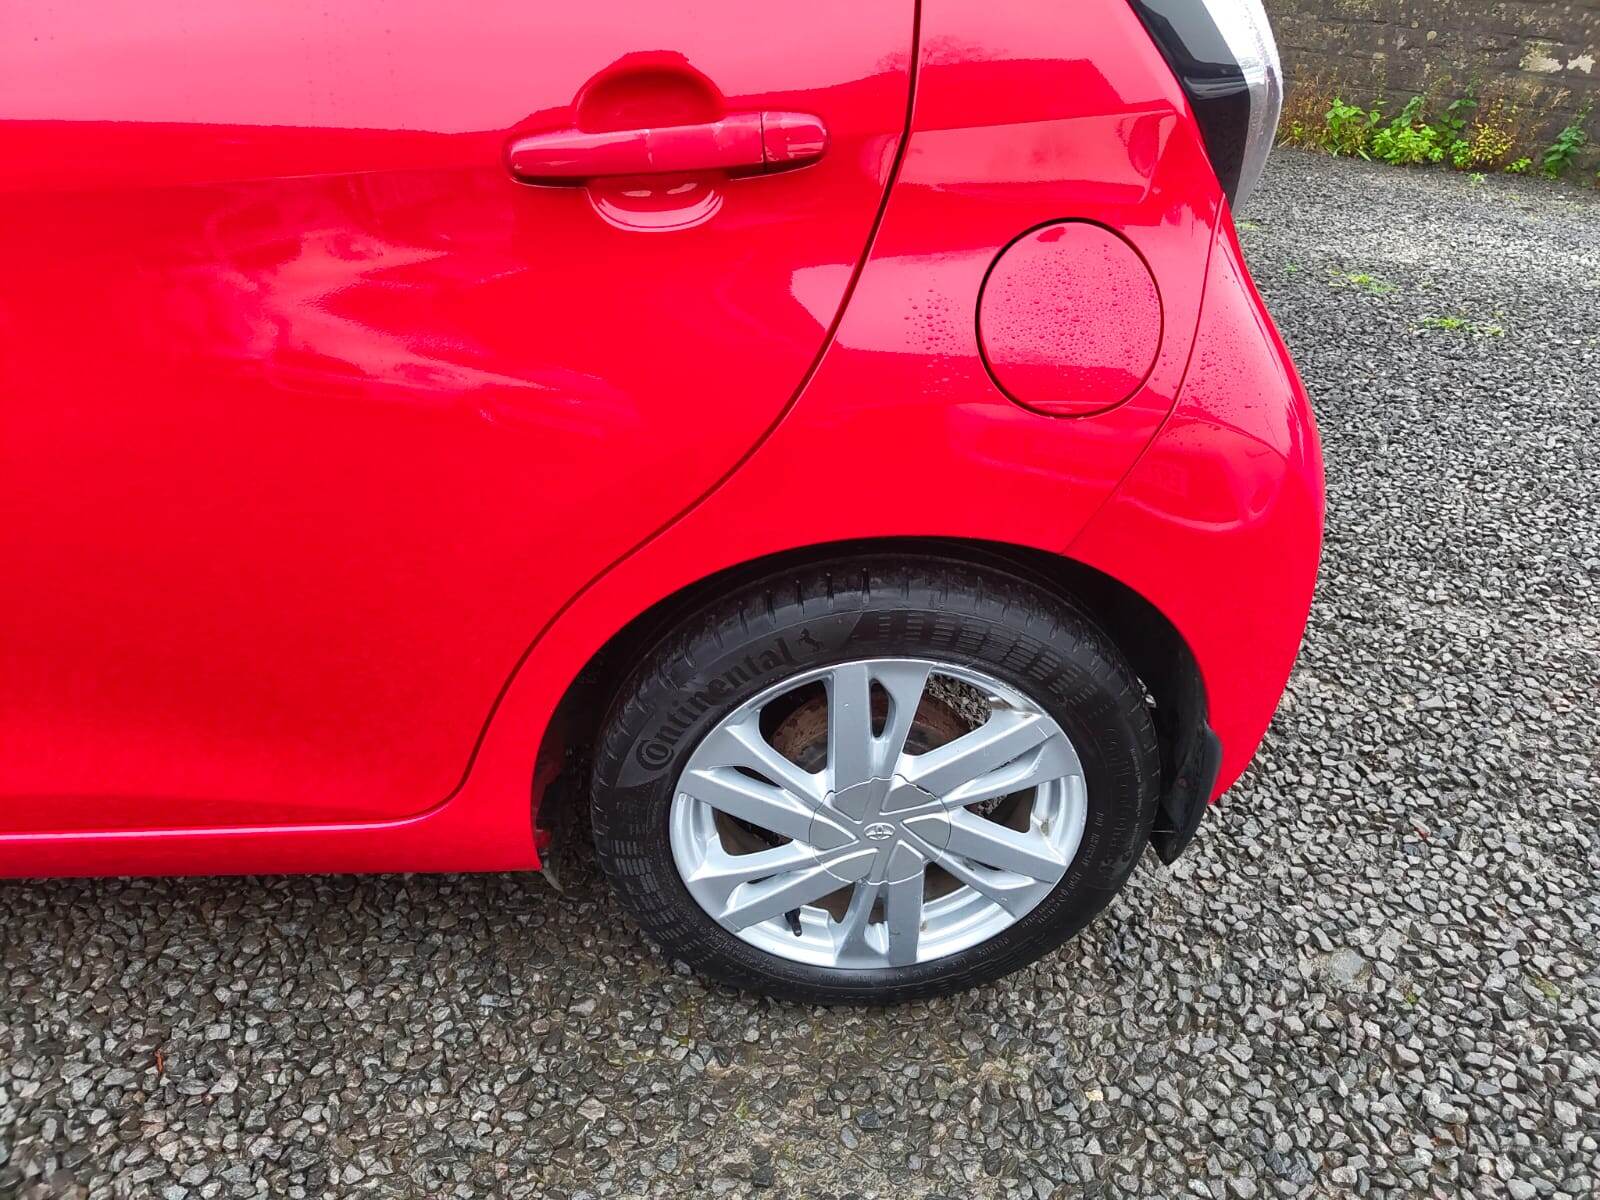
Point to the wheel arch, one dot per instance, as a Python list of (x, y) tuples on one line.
[(1154, 647)]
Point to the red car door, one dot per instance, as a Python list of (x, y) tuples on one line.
[(312, 415)]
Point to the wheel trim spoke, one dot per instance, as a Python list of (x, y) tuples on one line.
[(1005, 736), (742, 745), (759, 900), (904, 683), (1014, 893), (1053, 759), (855, 753), (773, 809), (902, 908), (1003, 848), (850, 937), (720, 872), (850, 748)]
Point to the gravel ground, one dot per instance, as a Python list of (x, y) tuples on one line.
[(1376, 973)]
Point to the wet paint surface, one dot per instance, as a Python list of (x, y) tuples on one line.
[(1070, 319)]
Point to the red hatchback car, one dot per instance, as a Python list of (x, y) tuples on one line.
[(839, 445)]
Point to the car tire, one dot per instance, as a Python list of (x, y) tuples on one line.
[(675, 783)]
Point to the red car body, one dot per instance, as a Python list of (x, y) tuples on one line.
[(332, 453)]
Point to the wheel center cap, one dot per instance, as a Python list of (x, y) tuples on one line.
[(880, 831)]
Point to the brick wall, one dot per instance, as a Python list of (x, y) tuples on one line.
[(1542, 54)]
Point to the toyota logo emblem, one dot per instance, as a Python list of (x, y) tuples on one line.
[(879, 830)]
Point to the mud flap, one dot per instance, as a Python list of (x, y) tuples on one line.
[(1184, 803), (553, 831)]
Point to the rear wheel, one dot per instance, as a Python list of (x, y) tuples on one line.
[(874, 780)]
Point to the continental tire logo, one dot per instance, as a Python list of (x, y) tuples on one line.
[(656, 751)]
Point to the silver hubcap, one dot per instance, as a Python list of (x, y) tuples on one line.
[(895, 846)]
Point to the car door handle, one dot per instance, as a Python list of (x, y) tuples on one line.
[(743, 144)]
